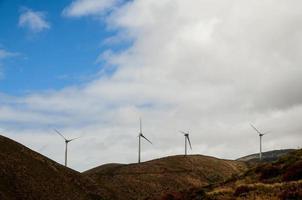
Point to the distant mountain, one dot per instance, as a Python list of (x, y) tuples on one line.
[(152, 178), (27, 175), (268, 156)]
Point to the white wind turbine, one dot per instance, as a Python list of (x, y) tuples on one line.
[(187, 139), (66, 143), (139, 140), (260, 135)]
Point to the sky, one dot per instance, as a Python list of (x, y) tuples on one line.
[(92, 68)]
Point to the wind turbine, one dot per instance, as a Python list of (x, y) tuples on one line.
[(260, 135), (186, 134), (66, 144), (139, 140)]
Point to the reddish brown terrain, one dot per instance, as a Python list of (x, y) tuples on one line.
[(279, 180), (27, 175), (153, 178)]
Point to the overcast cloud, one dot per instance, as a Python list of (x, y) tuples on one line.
[(210, 67)]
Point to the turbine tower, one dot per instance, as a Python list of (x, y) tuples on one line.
[(66, 144), (187, 139), (139, 140), (260, 136)]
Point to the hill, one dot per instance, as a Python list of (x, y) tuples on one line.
[(152, 178), (25, 174), (268, 156), (278, 180)]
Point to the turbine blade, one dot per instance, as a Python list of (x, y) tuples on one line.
[(189, 142), (183, 132), (255, 129), (75, 138), (146, 138), (60, 134)]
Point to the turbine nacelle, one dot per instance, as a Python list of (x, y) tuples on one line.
[(66, 140), (260, 133)]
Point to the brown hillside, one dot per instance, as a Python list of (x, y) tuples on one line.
[(149, 179), (279, 180), (25, 174)]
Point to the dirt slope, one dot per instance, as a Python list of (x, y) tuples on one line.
[(25, 174), (149, 179)]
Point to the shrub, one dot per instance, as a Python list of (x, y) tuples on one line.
[(269, 171), (171, 196), (242, 190), (293, 173), (291, 194), (199, 194)]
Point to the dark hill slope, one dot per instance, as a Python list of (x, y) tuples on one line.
[(25, 174), (279, 180), (148, 179), (268, 156)]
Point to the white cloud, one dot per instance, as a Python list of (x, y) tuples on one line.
[(5, 54), (208, 66), (79, 8), (33, 20)]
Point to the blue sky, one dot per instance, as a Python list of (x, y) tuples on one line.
[(64, 54)]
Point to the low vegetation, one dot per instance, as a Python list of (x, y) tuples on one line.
[(174, 173), (279, 180), (25, 174)]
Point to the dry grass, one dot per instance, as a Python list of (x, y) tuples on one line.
[(174, 173), (280, 180), (25, 174), (260, 191), (28, 175)]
